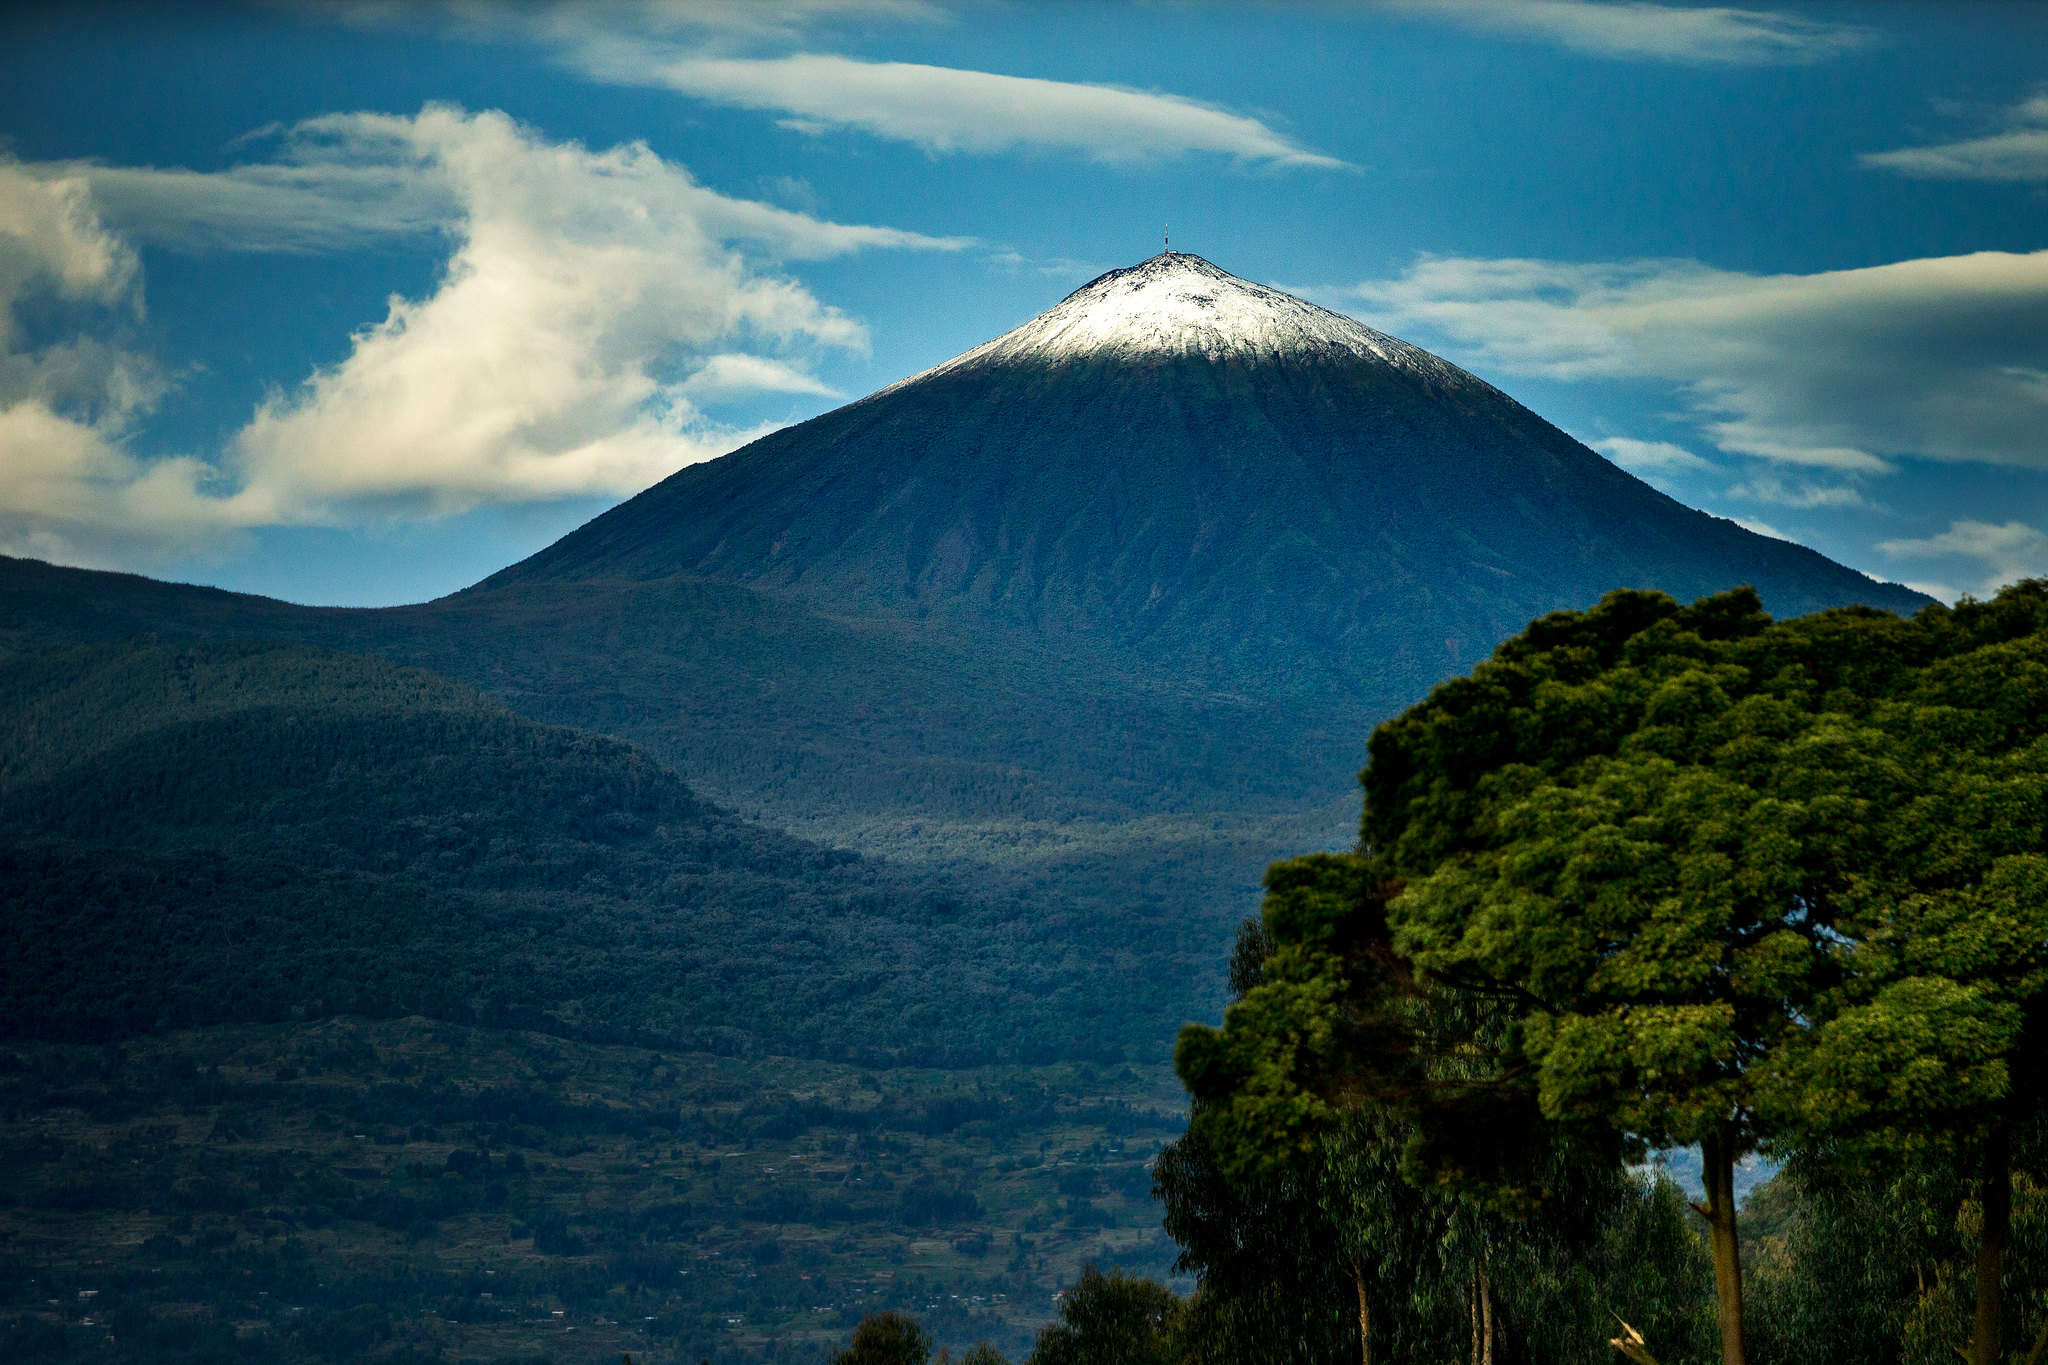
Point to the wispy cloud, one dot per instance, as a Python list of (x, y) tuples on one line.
[(736, 375), (2017, 153), (1703, 35), (1943, 358), (568, 20), (1989, 554), (1802, 494), (593, 305), (948, 109), (1762, 528), (737, 53), (332, 183), (1651, 457)]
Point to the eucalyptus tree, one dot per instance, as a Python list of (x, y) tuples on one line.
[(1351, 1135)]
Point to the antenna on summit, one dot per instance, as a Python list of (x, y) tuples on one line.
[(1167, 233)]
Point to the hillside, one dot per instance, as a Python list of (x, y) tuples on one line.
[(199, 834), (403, 1190)]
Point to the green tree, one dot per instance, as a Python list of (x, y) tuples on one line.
[(980, 1353), (1595, 830), (1113, 1319), (887, 1338), (1679, 874), (1933, 1038), (1357, 1136)]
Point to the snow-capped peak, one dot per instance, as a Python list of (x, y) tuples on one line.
[(1177, 304)]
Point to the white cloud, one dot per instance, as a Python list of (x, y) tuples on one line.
[(2000, 553), (1943, 358), (66, 400), (545, 365), (1801, 494), (947, 109), (712, 50), (738, 375), (1661, 457), (57, 256), (56, 244), (1762, 528), (2019, 153), (1706, 35), (69, 492), (592, 303), (301, 203)]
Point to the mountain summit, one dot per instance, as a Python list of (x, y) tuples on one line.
[(1179, 305), (1199, 479)]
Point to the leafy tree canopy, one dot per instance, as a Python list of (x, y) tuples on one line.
[(888, 1338), (1113, 1319)]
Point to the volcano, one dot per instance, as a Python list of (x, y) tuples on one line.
[(1199, 478)]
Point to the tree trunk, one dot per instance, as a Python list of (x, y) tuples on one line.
[(1995, 1195), (1717, 1166), (1364, 1314), (1472, 1313), (1485, 1314)]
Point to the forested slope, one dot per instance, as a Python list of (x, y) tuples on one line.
[(204, 833), (1142, 817)]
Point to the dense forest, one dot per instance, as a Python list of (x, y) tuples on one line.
[(200, 834), (1137, 816)]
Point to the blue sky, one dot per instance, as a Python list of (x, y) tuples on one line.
[(356, 303)]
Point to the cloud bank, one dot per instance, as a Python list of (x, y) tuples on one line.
[(592, 301)]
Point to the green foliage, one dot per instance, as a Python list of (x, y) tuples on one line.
[(1089, 816), (1836, 1265), (308, 833), (1785, 871), (1257, 1113), (1940, 1316), (1651, 1270), (1670, 874), (1113, 1319), (400, 1170), (1374, 1198), (887, 1338), (980, 1353), (1273, 1281)]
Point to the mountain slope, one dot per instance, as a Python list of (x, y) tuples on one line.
[(1197, 478), (219, 833)]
